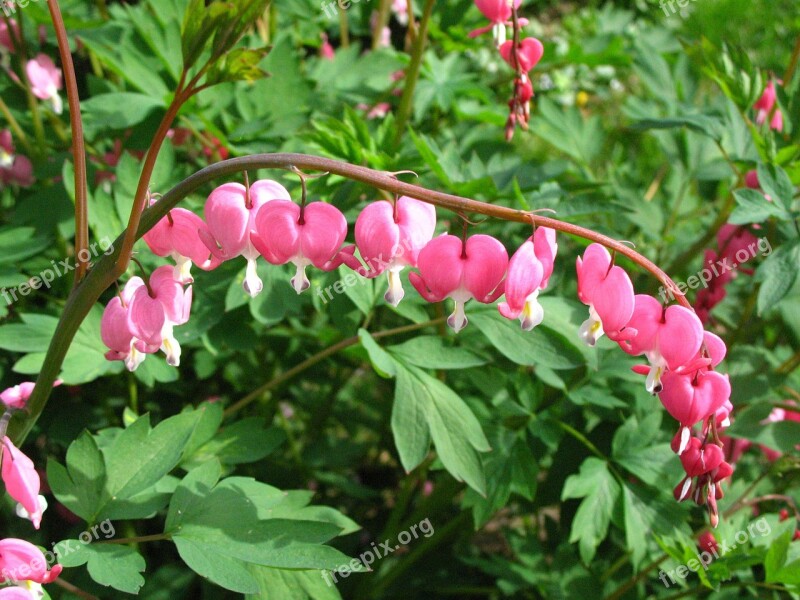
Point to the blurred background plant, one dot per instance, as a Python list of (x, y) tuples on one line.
[(642, 127)]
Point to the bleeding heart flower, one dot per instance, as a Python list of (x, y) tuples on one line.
[(16, 397), (764, 106), (45, 80), (6, 29), (450, 268), (390, 238), (176, 236), (499, 13), (177, 304), (22, 481), (114, 328), (230, 214), (692, 398), (608, 292), (735, 240), (22, 561), (699, 459), (529, 271), (14, 168), (669, 337), (529, 52), (311, 235)]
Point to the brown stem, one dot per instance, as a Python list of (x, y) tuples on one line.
[(75, 590), (139, 200), (787, 77), (78, 147)]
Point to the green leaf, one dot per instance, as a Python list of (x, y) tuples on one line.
[(600, 491), (777, 276), (140, 456), (646, 512), (110, 565), (455, 431), (432, 352), (382, 362), (283, 584), (241, 442), (776, 184), (79, 486), (119, 110), (542, 346), (753, 207)]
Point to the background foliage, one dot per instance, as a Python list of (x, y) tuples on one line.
[(544, 466)]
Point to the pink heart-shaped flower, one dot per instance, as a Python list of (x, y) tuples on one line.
[(529, 52)]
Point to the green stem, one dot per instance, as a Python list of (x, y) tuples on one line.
[(313, 360), (107, 269), (156, 537), (19, 133), (412, 74)]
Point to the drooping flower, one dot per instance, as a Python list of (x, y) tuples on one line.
[(114, 329), (22, 561), (176, 236), (528, 273), (451, 268), (45, 79), (499, 14), (230, 214), (669, 337), (529, 53), (326, 51), (765, 105), (608, 292), (16, 397), (14, 168), (177, 304), (400, 11), (691, 398), (735, 240), (6, 31), (309, 235), (22, 482), (390, 238)]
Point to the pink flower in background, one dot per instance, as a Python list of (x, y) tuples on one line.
[(6, 33), (230, 214), (733, 240), (176, 236), (45, 80), (326, 51), (450, 268), (528, 273), (390, 238), (22, 483), (608, 292), (22, 561), (669, 337), (14, 168), (311, 235), (16, 397), (400, 11), (776, 416), (764, 107)]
